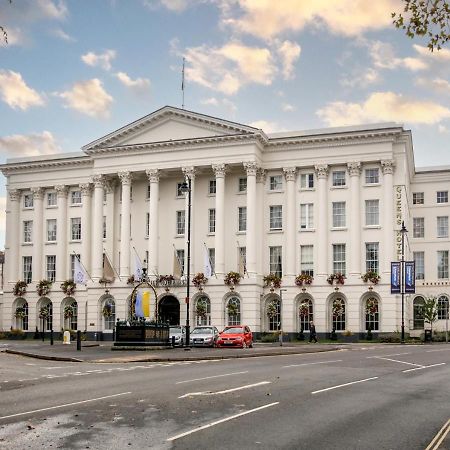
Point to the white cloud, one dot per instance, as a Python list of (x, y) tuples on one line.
[(210, 101), (287, 107), (59, 33), (102, 60), (442, 55), (139, 85), (383, 106), (384, 57), (439, 85), (15, 37), (443, 129), (289, 53), (88, 97), (15, 92), (266, 126), (18, 145), (361, 78)]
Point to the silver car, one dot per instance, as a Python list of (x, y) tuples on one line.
[(204, 336), (179, 333)]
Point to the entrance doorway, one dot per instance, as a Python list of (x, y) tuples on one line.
[(169, 310)]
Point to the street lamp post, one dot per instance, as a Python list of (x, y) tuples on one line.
[(281, 315), (187, 187), (403, 231)]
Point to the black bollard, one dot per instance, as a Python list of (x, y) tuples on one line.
[(79, 340), (51, 337), (173, 341)]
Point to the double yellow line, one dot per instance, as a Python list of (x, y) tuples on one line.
[(440, 436)]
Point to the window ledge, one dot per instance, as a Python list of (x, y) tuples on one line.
[(339, 229), (178, 236), (241, 232), (26, 244), (31, 208), (275, 231), (371, 184), (51, 207), (75, 241), (338, 187), (211, 233), (307, 189), (442, 237), (210, 195), (75, 205), (308, 230), (51, 242), (279, 191), (241, 192), (372, 227)]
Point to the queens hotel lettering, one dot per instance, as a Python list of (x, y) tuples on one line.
[(398, 220)]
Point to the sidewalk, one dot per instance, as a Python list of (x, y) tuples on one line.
[(101, 351)]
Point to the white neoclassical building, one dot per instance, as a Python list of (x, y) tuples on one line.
[(314, 202)]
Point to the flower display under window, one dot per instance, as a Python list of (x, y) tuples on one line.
[(272, 280), (20, 312), (43, 287), (337, 277), (166, 278), (68, 287), (303, 279), (107, 310), (20, 288), (232, 278), (371, 276), (303, 309), (199, 279), (337, 307), (69, 311), (272, 309), (131, 279), (44, 312)]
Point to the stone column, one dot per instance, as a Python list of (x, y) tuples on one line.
[(189, 172), (110, 186), (251, 169), (86, 190), (97, 232), (38, 234), (124, 270), (321, 222), (219, 171), (61, 233), (12, 237), (388, 167), (290, 235), (261, 175), (153, 178), (354, 169)]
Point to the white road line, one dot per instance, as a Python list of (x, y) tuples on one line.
[(384, 356), (440, 350), (401, 362), (440, 436), (63, 406), (214, 376), (65, 367), (217, 422), (247, 386), (423, 367), (311, 364), (343, 385)]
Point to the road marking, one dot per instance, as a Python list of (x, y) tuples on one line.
[(401, 362), (217, 422), (63, 406), (50, 368), (441, 350), (343, 385), (311, 364), (384, 356), (440, 436), (214, 376), (423, 367), (247, 386)]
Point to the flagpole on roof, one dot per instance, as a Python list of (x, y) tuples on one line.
[(182, 84)]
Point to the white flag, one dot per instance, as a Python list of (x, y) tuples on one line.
[(79, 274), (208, 269), (137, 268)]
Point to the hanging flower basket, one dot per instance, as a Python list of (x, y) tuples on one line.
[(20, 312), (272, 309), (371, 306), (337, 277), (200, 309), (20, 288), (104, 280), (371, 276), (69, 311), (166, 278), (131, 279), (68, 287), (232, 278), (272, 280), (303, 280), (43, 287), (303, 309), (337, 308), (44, 312), (199, 280), (107, 311), (232, 309)]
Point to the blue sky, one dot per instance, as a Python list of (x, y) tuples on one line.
[(74, 71)]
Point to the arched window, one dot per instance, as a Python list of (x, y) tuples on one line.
[(338, 314), (273, 311), (443, 307), (203, 311), (45, 314), (233, 311), (21, 315), (372, 313), (305, 314), (71, 315), (417, 313), (109, 313)]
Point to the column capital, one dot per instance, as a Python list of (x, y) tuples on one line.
[(354, 168), (321, 170), (61, 190), (388, 166), (125, 177), (189, 172), (152, 175), (14, 195), (110, 184), (38, 193), (86, 189), (290, 173), (261, 175), (251, 167), (219, 170), (99, 181)]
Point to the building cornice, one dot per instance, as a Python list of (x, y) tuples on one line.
[(23, 166)]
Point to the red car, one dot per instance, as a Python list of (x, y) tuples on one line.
[(235, 336)]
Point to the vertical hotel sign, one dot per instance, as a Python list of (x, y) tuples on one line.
[(395, 278), (398, 220)]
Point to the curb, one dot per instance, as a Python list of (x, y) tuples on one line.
[(49, 358)]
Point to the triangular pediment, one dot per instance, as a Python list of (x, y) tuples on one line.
[(170, 124)]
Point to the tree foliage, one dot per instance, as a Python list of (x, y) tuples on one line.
[(425, 18), (429, 310)]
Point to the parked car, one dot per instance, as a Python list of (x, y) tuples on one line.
[(179, 332), (236, 336), (205, 336)]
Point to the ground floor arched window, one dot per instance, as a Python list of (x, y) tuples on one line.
[(305, 314), (273, 312), (418, 320), (45, 314), (203, 311), (372, 314), (443, 306), (70, 314), (109, 313), (338, 314), (21, 314), (233, 310)]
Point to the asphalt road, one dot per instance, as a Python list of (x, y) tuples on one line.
[(379, 397)]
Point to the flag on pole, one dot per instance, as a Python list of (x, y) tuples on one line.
[(177, 270), (108, 271), (80, 275), (142, 305), (208, 268), (137, 267)]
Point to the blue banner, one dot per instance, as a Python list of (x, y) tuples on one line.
[(395, 277), (410, 277)]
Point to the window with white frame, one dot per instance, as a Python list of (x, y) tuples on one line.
[(180, 257), (338, 178), (419, 262), (306, 216), (28, 201), (110, 319), (371, 306), (50, 267), (418, 227), (338, 214), (338, 314), (180, 222), (442, 227), (307, 260), (49, 320), (418, 198), (242, 218), (52, 199), (276, 260), (211, 220), (75, 197), (339, 258), (212, 187), (276, 217), (212, 259), (305, 319), (72, 321), (443, 307), (372, 212), (28, 231), (104, 227), (242, 186), (306, 180), (73, 258), (22, 322), (51, 230), (180, 192), (372, 176), (233, 311), (276, 182), (372, 257), (442, 268), (75, 228), (242, 263), (203, 319), (27, 264), (442, 196), (275, 319)]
